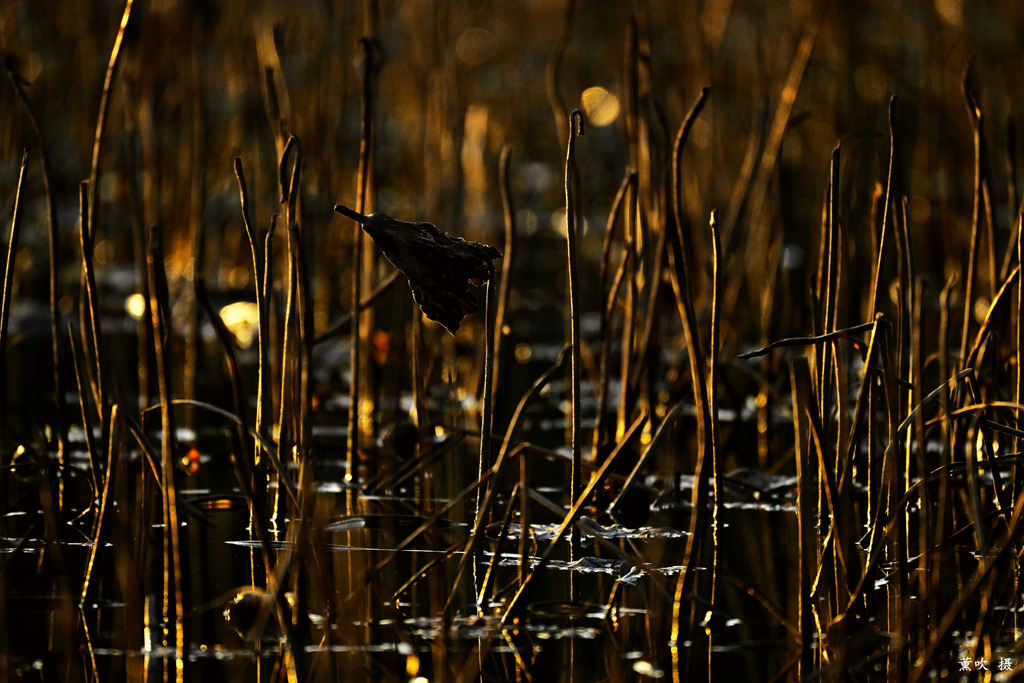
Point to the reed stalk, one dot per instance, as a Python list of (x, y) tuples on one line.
[(173, 576), (8, 290), (362, 205), (576, 482), (53, 253), (505, 288), (975, 115), (485, 426), (679, 275)]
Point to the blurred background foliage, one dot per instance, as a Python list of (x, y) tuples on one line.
[(201, 83)]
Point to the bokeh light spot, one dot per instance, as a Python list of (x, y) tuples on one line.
[(241, 318), (601, 107), (135, 304)]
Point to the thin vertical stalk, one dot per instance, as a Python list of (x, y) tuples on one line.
[(631, 267), (604, 371), (5, 305), (677, 183), (695, 543), (576, 483), (925, 517), (829, 292), (485, 424), (92, 305), (52, 233), (910, 366), (946, 424), (303, 306), (808, 543), (101, 118), (265, 378), (524, 519), (263, 409), (172, 541), (629, 183), (285, 197), (885, 209), (1011, 193), (1018, 392), (716, 289), (504, 292), (362, 191), (975, 114)]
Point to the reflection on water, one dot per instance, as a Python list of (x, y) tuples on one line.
[(626, 576)]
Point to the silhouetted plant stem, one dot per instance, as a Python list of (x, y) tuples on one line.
[(8, 292), (716, 289), (101, 118), (610, 295), (263, 407), (807, 341), (485, 421), (576, 485), (504, 455), (604, 371), (886, 203), (265, 376), (677, 185), (362, 207), (289, 368), (173, 588), (808, 543), (52, 234), (304, 310), (90, 317), (1018, 392), (684, 301), (505, 290), (829, 291), (631, 266), (975, 115)]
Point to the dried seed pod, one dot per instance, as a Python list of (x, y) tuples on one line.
[(441, 269)]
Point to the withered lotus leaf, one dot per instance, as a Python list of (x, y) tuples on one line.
[(441, 269)]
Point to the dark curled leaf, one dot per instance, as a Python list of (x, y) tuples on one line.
[(441, 269)]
